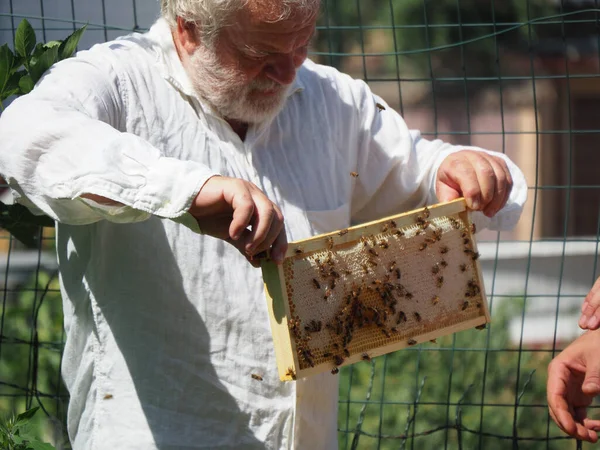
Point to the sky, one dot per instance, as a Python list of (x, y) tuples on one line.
[(121, 15)]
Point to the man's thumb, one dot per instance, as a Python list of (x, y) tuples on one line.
[(591, 383)]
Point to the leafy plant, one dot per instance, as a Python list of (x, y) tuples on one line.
[(15, 434), (19, 72)]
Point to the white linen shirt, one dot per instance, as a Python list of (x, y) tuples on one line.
[(164, 325)]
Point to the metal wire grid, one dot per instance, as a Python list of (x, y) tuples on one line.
[(414, 399)]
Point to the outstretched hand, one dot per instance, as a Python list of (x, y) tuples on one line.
[(240, 213), (573, 382), (590, 310), (482, 179)]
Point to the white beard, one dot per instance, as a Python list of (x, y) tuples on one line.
[(228, 96)]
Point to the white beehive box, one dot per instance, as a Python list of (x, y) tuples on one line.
[(375, 288)]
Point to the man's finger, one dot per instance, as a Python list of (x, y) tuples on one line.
[(264, 216), (243, 210), (590, 310), (503, 186), (279, 248), (486, 179)]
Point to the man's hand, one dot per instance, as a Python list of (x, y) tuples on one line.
[(483, 180), (238, 212), (590, 310), (573, 382)]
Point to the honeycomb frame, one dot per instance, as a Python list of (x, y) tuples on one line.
[(375, 288)]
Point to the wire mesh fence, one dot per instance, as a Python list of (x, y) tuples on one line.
[(519, 77)]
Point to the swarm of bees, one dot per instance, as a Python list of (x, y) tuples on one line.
[(368, 295)]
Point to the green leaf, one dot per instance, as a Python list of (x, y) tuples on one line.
[(26, 84), (24, 39), (67, 48), (51, 44), (34, 444), (24, 417), (6, 64), (42, 63)]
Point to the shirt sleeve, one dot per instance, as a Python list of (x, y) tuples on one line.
[(397, 167), (66, 138)]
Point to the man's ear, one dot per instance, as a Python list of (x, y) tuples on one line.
[(187, 35)]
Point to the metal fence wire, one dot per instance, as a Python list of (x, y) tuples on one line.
[(520, 77)]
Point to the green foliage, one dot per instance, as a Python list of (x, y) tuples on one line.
[(463, 392), (15, 433), (32, 342), (19, 72), (427, 35)]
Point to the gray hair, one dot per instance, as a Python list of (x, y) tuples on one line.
[(214, 15)]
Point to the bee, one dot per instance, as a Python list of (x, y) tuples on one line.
[(298, 250), (464, 235), (439, 282), (343, 232), (481, 327), (366, 357), (365, 268), (435, 300), (347, 272), (393, 224), (329, 242), (338, 360), (435, 269), (385, 227), (409, 296), (466, 241), (316, 283), (443, 263), (332, 284), (444, 250), (290, 373), (386, 332), (465, 305), (463, 267), (411, 342), (433, 341), (335, 371), (257, 377), (384, 244), (398, 274), (327, 293), (354, 174), (108, 396), (473, 228), (373, 252), (475, 256), (392, 266), (372, 262), (437, 234), (426, 212), (326, 355), (423, 246), (401, 317), (380, 107), (455, 223), (417, 316), (314, 326), (347, 353), (399, 233)]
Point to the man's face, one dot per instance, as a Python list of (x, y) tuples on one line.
[(248, 74)]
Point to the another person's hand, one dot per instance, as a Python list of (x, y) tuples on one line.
[(483, 180), (238, 212), (590, 310), (573, 382)]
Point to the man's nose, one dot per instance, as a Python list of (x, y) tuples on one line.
[(282, 69)]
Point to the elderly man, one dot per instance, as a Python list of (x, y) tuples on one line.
[(169, 160)]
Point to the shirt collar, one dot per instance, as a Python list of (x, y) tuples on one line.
[(174, 71)]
